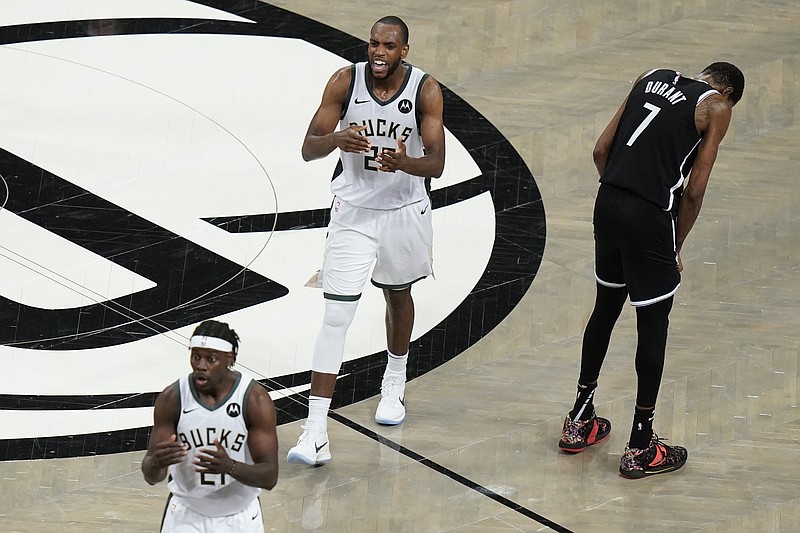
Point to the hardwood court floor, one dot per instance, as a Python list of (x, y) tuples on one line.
[(478, 451)]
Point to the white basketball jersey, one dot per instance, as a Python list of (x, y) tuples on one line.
[(198, 426), (359, 182)]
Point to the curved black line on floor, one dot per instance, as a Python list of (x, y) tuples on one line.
[(514, 262), (455, 476), (192, 283)]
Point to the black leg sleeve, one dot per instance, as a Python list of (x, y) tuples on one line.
[(607, 308), (652, 322)]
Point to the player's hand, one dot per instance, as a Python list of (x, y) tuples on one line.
[(391, 160), (213, 461), (169, 452), (350, 140), (680, 263)]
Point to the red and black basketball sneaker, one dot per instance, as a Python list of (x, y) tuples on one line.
[(578, 435), (658, 458)]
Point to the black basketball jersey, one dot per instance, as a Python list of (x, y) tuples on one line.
[(656, 140)]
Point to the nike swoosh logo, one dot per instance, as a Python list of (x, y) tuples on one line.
[(190, 410), (256, 516), (423, 211), (357, 101), (403, 402), (659, 456), (318, 448)]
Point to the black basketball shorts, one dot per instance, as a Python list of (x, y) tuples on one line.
[(634, 246)]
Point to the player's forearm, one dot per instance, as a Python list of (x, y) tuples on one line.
[(692, 199), (318, 146), (428, 166), (152, 474), (688, 211), (600, 154), (263, 475), (600, 162)]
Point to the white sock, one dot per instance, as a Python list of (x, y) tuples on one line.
[(318, 407), (396, 364)]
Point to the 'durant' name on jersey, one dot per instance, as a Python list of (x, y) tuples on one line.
[(668, 91), (199, 438), (383, 128)]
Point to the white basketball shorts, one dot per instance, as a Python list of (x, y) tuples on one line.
[(178, 518), (399, 242)]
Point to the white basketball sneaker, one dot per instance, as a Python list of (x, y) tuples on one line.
[(312, 447), (391, 409)]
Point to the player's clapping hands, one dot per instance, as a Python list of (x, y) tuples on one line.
[(213, 460), (350, 140), (391, 160), (169, 452)]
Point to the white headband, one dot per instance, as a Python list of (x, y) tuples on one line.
[(214, 343)]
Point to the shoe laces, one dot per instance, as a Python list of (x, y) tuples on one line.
[(310, 431), (655, 439), (574, 428), (391, 389)]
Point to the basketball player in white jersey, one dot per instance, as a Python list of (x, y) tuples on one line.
[(391, 140), (214, 434)]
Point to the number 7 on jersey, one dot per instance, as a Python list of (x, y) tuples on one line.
[(647, 120)]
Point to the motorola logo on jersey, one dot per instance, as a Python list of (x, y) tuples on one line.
[(180, 195), (233, 410)]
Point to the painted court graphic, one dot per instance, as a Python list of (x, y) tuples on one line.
[(165, 186)]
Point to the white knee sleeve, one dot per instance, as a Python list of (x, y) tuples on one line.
[(329, 348)]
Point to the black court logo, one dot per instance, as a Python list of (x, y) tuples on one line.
[(490, 180)]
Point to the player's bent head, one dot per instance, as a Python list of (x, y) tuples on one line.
[(727, 75)]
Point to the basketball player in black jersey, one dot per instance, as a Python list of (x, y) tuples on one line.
[(654, 159)]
